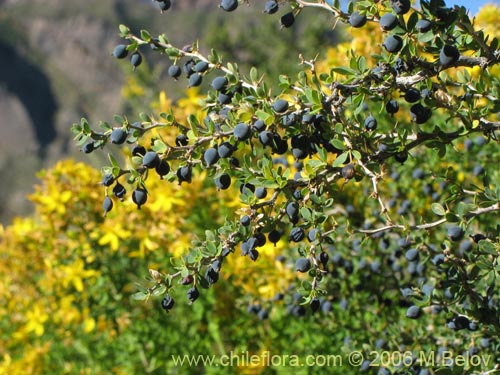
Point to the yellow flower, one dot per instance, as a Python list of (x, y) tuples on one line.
[(36, 317), (75, 273)]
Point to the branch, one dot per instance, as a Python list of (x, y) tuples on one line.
[(374, 179), (474, 213)]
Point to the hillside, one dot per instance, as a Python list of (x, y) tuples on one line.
[(56, 67)]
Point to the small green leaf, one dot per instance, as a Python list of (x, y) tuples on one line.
[(254, 75), (113, 161), (340, 159), (139, 296), (159, 290), (159, 146), (438, 209), (124, 30), (145, 36), (338, 144), (344, 71)]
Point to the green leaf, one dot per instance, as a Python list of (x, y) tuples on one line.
[(438, 209), (193, 124), (254, 75), (139, 296), (488, 247), (145, 35), (159, 146), (113, 161), (159, 290), (145, 117), (118, 119), (340, 159), (338, 144), (344, 71), (124, 30)]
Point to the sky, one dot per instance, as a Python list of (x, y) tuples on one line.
[(472, 5)]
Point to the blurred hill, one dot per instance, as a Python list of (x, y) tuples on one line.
[(56, 67)]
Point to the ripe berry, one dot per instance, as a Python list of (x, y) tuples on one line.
[(245, 220), (223, 98), (392, 106), (292, 210), (184, 174), (201, 67), (456, 233), (413, 312), (88, 148), (174, 71), (162, 168), (188, 67), (449, 54), (107, 180), (348, 171), (280, 106), (261, 192), (167, 303), (388, 21), (119, 191), (164, 5), (118, 136), (289, 119), (107, 205), (259, 125), (303, 265), (228, 5), (242, 132), (266, 138), (274, 236), (181, 140), (393, 43), (217, 264), (151, 159), (225, 150), (219, 83), (423, 25), (186, 280), (401, 156), (315, 304), (271, 7), (139, 197), (138, 151), (263, 314), (370, 123), (297, 234), (247, 188), (357, 19), (193, 294), (253, 254), (312, 234), (211, 275), (223, 181), (412, 95), (401, 6), (287, 20), (195, 80), (411, 255), (419, 113), (210, 156), (136, 59), (120, 51), (323, 258)]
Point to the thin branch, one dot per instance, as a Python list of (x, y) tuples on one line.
[(474, 213), (374, 178)]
